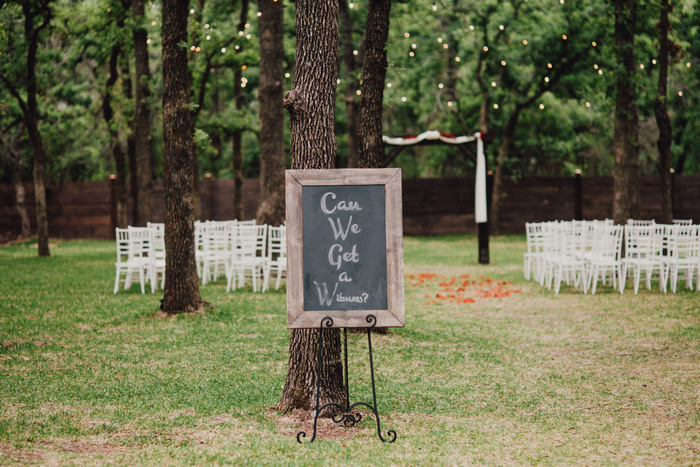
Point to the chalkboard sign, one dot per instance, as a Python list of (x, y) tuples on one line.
[(344, 247)]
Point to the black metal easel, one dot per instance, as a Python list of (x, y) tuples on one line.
[(347, 417)]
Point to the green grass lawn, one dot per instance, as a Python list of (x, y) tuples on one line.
[(489, 369)]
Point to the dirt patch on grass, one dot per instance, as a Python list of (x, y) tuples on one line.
[(292, 423)]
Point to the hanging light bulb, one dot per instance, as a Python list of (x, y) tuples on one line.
[(503, 63), (495, 106), (434, 6)]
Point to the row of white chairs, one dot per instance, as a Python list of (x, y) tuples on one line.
[(582, 253), (240, 250)]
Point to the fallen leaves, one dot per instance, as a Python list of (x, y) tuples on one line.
[(462, 289)]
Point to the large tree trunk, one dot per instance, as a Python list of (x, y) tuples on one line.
[(373, 74), (311, 104), (31, 120), (351, 84), (503, 151), (663, 121), (272, 156), (181, 285), (626, 137), (142, 121)]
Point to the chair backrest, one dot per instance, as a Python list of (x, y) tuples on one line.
[(683, 242), (640, 222), (252, 240), (123, 247), (276, 242), (608, 241), (139, 242), (682, 221)]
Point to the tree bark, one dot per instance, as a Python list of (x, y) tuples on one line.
[(311, 104), (142, 121), (181, 285), (272, 156), (31, 120), (663, 120), (373, 75), (351, 84), (626, 135)]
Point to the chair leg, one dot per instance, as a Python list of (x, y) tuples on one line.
[(116, 281)]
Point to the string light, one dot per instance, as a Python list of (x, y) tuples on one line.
[(493, 84), (434, 7), (688, 64), (495, 106), (486, 49), (441, 85), (588, 104), (653, 61), (259, 14), (287, 75), (595, 67), (413, 46), (524, 42), (641, 66), (680, 93), (457, 59), (471, 27), (388, 85), (406, 34), (192, 48), (223, 50), (352, 5), (600, 72), (358, 92), (208, 38), (546, 79), (503, 63), (564, 37), (206, 26), (355, 52), (541, 106), (247, 36), (501, 27), (247, 25), (197, 50), (439, 39), (444, 46), (411, 54), (449, 103), (238, 47), (148, 41), (191, 11), (594, 43), (153, 23), (549, 65), (240, 33), (244, 67), (403, 99)]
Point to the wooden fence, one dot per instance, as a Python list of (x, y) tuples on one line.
[(430, 206)]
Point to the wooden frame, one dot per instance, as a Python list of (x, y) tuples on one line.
[(390, 179)]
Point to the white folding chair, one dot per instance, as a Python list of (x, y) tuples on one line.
[(682, 221), (683, 253), (248, 259), (131, 258), (642, 254), (535, 236), (568, 264), (640, 222), (157, 255), (216, 251), (605, 258), (276, 255)]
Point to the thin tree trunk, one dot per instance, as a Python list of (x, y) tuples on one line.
[(626, 136), (15, 151), (142, 120), (272, 156), (351, 84), (373, 75), (31, 120), (237, 159), (132, 192), (663, 120), (117, 152), (311, 104), (503, 151), (181, 285)]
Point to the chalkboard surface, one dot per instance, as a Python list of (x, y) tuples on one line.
[(344, 248), (344, 240)]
